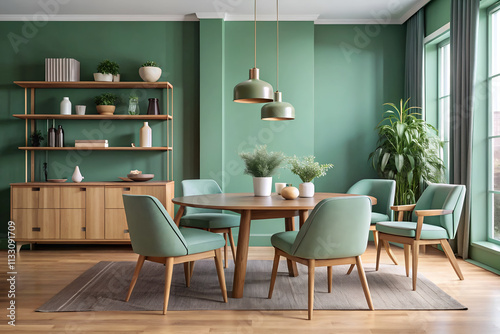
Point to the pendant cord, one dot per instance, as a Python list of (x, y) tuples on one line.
[(277, 47), (255, 34)]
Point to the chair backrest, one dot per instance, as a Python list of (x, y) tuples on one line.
[(382, 189), (200, 187), (337, 228), (152, 230), (446, 197)]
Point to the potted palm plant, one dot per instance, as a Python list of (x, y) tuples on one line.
[(107, 71), (105, 103), (150, 71), (307, 169), (262, 164), (407, 152)]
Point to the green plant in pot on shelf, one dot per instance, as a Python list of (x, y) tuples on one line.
[(307, 169), (107, 70), (407, 152), (150, 71), (36, 138), (262, 164), (105, 103)]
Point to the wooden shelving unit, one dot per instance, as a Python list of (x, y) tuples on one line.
[(72, 148), (111, 117), (93, 84)]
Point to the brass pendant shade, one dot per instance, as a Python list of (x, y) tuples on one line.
[(277, 110), (253, 90)]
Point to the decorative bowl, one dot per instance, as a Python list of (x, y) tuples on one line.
[(57, 180), (140, 177)]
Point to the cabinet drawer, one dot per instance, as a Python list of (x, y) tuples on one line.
[(113, 196), (25, 197), (73, 197), (37, 223), (116, 225), (73, 224)]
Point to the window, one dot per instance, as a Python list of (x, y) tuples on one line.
[(494, 114), (444, 102)]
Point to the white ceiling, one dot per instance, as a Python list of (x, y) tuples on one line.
[(320, 11)]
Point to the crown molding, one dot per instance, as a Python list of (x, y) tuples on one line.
[(237, 17), (190, 17), (354, 21), (415, 8)]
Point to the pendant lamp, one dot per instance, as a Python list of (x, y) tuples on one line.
[(277, 110), (253, 90)]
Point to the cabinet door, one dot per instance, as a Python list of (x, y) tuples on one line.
[(49, 198), (94, 212), (25, 197), (47, 225), (73, 224), (155, 191), (114, 198), (116, 225), (25, 219), (73, 197)]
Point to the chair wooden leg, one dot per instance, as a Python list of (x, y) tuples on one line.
[(220, 274), (226, 265), (138, 267), (415, 248), (330, 278), (274, 273), (231, 242), (187, 274), (379, 248), (191, 268), (169, 267), (310, 300), (375, 238), (351, 268), (407, 259), (389, 252), (364, 282), (451, 257)]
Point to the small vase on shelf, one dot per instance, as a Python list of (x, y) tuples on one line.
[(65, 106), (146, 136), (59, 136), (153, 108), (77, 176)]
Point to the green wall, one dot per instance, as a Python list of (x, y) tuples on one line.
[(437, 14), (173, 45)]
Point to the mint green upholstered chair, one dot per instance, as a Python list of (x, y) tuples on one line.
[(155, 237), (384, 191), (335, 233), (209, 219), (441, 206)]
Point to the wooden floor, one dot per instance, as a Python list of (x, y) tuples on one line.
[(45, 271)]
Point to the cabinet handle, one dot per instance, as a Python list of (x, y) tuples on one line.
[(83, 189), (84, 229), (126, 189), (35, 189), (35, 229), (125, 231)]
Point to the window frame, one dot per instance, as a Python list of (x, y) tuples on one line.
[(491, 137), (440, 119)]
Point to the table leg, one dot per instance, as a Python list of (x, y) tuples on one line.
[(303, 214), (292, 265), (241, 254), (178, 216)]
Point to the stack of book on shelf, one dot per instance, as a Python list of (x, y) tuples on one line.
[(62, 69), (91, 143)]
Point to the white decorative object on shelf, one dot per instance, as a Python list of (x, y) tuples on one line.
[(103, 77), (77, 176), (306, 189), (146, 136), (150, 73), (262, 186), (66, 106)]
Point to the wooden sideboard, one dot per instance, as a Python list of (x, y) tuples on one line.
[(87, 212)]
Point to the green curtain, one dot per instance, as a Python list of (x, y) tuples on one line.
[(414, 69), (463, 37)]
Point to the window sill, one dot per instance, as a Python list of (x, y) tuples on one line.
[(488, 246)]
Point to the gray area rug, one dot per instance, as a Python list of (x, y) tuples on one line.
[(104, 287)]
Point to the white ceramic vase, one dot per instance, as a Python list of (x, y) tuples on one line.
[(150, 73), (77, 176), (103, 77), (306, 189), (65, 106), (262, 186), (146, 136)]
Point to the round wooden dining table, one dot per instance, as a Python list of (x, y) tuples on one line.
[(250, 208)]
